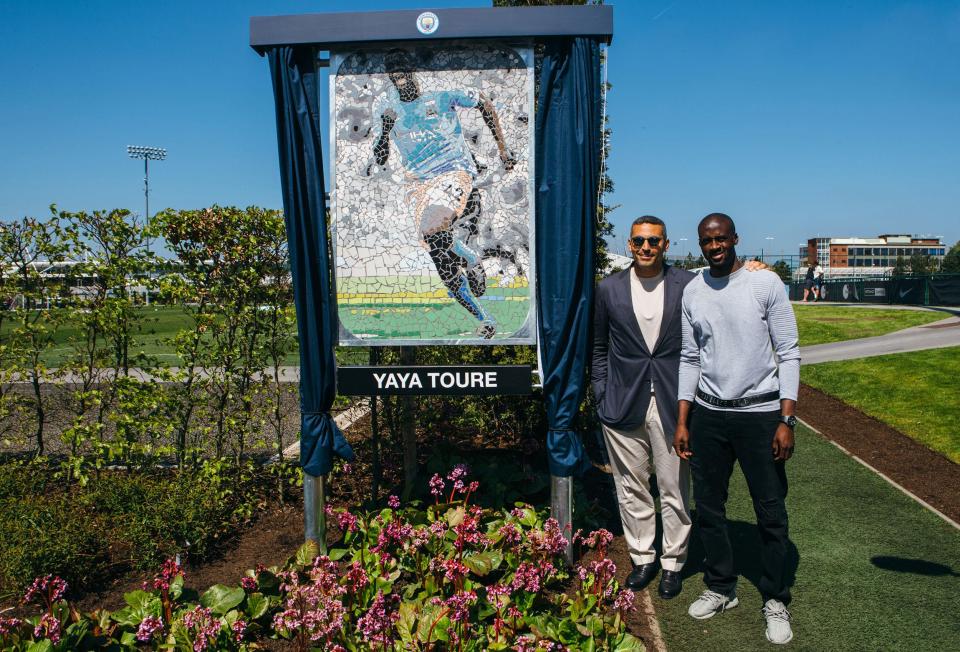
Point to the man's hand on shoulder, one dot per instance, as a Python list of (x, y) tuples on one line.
[(755, 265)]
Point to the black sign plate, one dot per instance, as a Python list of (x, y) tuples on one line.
[(455, 381)]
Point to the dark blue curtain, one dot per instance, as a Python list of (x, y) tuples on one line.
[(295, 94), (567, 178)]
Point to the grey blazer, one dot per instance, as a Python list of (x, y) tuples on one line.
[(623, 367)]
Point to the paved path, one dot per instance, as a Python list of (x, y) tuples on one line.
[(937, 335)]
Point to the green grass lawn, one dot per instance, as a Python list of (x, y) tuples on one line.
[(821, 324), (874, 570), (917, 393)]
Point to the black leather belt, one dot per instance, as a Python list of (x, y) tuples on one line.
[(737, 402)]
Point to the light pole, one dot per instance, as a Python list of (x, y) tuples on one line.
[(147, 154), (769, 237)]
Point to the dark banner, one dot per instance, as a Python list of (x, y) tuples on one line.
[(875, 291), (907, 290), (456, 381), (944, 290)]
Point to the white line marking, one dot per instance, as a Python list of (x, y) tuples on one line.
[(646, 606), (891, 482)]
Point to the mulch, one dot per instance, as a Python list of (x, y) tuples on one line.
[(920, 470), (277, 532)]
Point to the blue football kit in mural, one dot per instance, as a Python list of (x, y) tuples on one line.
[(428, 135)]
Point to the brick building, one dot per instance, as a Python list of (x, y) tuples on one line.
[(845, 257)]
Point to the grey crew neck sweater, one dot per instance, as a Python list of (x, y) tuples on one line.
[(739, 339)]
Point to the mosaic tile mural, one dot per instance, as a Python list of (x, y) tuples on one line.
[(432, 200)]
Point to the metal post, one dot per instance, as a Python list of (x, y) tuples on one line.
[(561, 508), (374, 434), (314, 516)]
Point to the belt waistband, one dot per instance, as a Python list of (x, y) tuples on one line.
[(737, 402)]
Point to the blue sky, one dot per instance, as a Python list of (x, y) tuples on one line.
[(797, 118)]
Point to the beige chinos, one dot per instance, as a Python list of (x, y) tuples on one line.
[(634, 455)]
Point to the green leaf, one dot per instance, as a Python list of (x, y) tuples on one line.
[(337, 554), (455, 516), (629, 642), (40, 646), (257, 605), (408, 615), (220, 599), (482, 563), (307, 553)]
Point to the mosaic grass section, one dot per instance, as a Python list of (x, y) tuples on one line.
[(420, 307)]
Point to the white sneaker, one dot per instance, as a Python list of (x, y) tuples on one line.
[(778, 622), (710, 603)]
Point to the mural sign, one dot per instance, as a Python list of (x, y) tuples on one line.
[(432, 203)]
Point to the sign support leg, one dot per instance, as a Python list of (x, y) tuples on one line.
[(561, 508), (314, 516)]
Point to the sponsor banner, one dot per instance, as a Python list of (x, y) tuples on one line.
[(907, 290), (875, 291), (456, 381), (944, 290)]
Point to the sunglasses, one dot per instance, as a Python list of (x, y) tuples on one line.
[(654, 240)]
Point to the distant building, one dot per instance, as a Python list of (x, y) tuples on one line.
[(846, 257)]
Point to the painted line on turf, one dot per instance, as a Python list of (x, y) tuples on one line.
[(885, 477), (646, 606)]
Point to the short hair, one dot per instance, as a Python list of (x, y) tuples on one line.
[(650, 219), (398, 60), (719, 217)]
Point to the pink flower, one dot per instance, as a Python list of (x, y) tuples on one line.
[(346, 469), (437, 485), (149, 626), (393, 502), (8, 625), (357, 578), (202, 627), (598, 539), (511, 534), (550, 539), (625, 602), (48, 627), (459, 605), (239, 630), (248, 583), (170, 569), (45, 590), (376, 625), (526, 578), (525, 644)]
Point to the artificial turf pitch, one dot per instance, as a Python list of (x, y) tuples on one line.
[(874, 570)]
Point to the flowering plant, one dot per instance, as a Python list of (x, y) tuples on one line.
[(448, 576)]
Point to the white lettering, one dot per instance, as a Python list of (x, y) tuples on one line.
[(403, 379), (433, 378), (415, 381), (447, 380), (379, 378), (391, 381), (491, 379), (476, 379)]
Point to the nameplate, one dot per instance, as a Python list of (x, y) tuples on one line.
[(455, 381)]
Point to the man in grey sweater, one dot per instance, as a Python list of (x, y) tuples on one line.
[(738, 383)]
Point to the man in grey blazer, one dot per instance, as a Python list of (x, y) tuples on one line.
[(636, 358)]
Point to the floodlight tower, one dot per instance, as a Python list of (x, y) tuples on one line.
[(147, 154)]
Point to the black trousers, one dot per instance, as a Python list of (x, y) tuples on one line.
[(718, 438)]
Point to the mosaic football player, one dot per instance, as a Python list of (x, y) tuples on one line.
[(426, 132)]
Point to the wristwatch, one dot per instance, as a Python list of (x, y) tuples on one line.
[(791, 421)]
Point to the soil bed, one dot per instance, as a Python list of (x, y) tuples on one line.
[(929, 475)]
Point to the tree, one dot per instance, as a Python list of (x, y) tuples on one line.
[(900, 268), (782, 269), (921, 264), (951, 262)]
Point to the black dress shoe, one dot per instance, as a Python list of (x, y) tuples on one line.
[(641, 576), (670, 584)]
